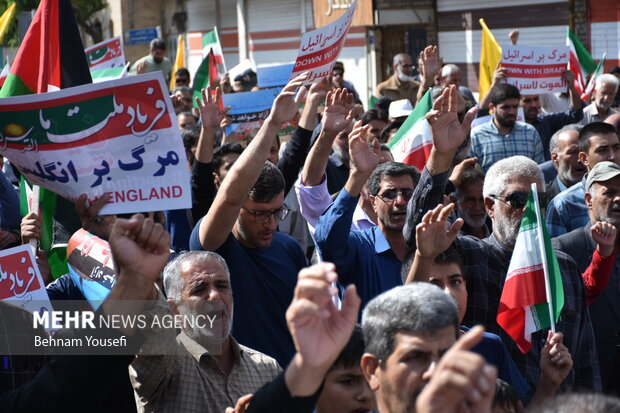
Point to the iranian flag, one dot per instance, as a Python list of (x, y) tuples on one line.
[(4, 73), (580, 62), (533, 295), (51, 57), (412, 142), (211, 41), (206, 75)]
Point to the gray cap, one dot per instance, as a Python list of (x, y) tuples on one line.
[(602, 171)]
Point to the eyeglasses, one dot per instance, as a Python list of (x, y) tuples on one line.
[(518, 200), (406, 66), (390, 195), (262, 217)]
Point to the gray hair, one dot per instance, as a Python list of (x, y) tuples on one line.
[(580, 402), (174, 282), (449, 69), (553, 143), (502, 171), (607, 78), (416, 308), (399, 58), (471, 175)]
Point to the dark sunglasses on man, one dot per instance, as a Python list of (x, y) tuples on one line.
[(518, 199)]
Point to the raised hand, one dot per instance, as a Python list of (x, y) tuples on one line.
[(319, 90), (555, 361), (514, 36), (286, 104), (99, 225), (447, 132), (462, 380), (337, 116), (456, 177), (430, 63), (365, 156), (209, 106), (140, 247), (435, 234), (604, 234)]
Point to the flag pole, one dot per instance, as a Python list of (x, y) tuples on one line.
[(541, 246)]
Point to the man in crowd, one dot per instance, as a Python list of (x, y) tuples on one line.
[(181, 77), (506, 187), (470, 202), (338, 81), (213, 370), (598, 141), (377, 119), (602, 198), (241, 226), (401, 84), (451, 74), (604, 94), (154, 61), (564, 148), (502, 136)]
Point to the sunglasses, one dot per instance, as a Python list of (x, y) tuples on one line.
[(390, 195), (518, 200)]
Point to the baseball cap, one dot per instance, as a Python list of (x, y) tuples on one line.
[(602, 171), (400, 108)]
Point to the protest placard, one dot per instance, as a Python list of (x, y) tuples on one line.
[(273, 76), (91, 266), (535, 70), (20, 280), (106, 54), (250, 106), (320, 48), (118, 137)]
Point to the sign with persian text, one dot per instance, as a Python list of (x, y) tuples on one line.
[(535, 70)]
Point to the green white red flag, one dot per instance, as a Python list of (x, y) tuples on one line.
[(580, 62), (412, 143), (533, 295), (206, 75), (211, 41)]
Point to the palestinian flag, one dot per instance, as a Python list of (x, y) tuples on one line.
[(211, 41), (533, 295), (580, 62), (412, 143), (50, 57), (206, 75), (111, 73)]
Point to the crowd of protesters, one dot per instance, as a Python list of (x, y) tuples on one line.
[(318, 253)]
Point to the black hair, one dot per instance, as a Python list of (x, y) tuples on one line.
[(182, 71), (449, 256), (269, 185), (383, 103), (390, 169), (504, 91), (591, 129), (505, 396), (157, 43), (190, 135), (219, 153), (374, 114), (385, 133), (351, 354)]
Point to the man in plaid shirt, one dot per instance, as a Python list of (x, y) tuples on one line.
[(503, 136), (486, 261)]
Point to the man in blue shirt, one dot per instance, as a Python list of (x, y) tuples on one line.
[(598, 141), (371, 259), (241, 227), (502, 136)]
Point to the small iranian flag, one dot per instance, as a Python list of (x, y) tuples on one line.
[(580, 62), (412, 142), (211, 41), (4, 73), (533, 288)]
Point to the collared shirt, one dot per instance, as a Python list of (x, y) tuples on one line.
[(547, 124), (364, 258), (561, 184), (590, 114), (568, 210), (490, 146), (314, 200), (395, 89), (191, 380), (485, 264)]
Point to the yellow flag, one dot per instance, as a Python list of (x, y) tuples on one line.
[(490, 55), (6, 18), (179, 62)]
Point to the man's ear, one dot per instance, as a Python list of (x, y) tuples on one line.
[(583, 158), (371, 370), (589, 200), (489, 204), (555, 159), (491, 107), (216, 180), (373, 201), (174, 309)]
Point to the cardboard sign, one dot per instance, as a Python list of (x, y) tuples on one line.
[(250, 106), (118, 137), (106, 54), (273, 76), (320, 48), (20, 280), (535, 70)]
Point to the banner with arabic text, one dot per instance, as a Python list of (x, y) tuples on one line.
[(535, 70), (20, 280), (320, 48), (106, 54), (118, 137)]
